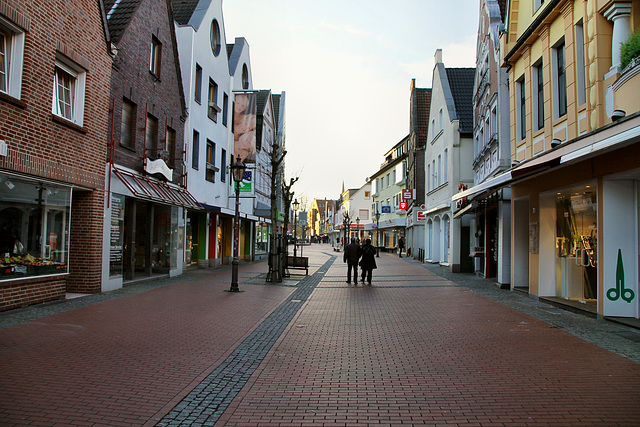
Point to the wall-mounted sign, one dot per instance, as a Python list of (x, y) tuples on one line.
[(386, 209), (422, 216), (403, 205), (409, 194)]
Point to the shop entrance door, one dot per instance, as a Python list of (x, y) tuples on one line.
[(576, 243)]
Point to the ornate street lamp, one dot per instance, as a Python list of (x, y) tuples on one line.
[(237, 170), (378, 232), (296, 205)]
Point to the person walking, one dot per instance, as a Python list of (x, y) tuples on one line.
[(368, 262), (400, 246), (351, 257)]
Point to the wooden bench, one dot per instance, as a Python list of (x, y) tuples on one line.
[(298, 263)]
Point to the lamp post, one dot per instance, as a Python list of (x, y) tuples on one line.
[(237, 170), (358, 228), (378, 232), (296, 205)]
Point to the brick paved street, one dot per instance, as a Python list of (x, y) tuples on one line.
[(414, 348)]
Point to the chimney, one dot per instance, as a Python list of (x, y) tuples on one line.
[(438, 56)]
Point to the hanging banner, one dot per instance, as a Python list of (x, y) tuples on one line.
[(244, 126)]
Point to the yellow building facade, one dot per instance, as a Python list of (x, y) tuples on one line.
[(575, 148)]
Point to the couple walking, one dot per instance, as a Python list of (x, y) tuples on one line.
[(352, 253)]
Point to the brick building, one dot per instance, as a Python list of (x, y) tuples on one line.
[(145, 176), (54, 79)]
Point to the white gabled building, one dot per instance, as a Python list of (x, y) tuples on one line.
[(448, 159), (209, 67)]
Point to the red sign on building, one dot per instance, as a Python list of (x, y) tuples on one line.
[(408, 194), (422, 215)]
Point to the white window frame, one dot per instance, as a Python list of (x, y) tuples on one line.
[(78, 78), (14, 57), (521, 110)]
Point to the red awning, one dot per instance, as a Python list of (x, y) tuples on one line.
[(152, 189)]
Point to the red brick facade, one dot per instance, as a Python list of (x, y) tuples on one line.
[(161, 97), (41, 144)]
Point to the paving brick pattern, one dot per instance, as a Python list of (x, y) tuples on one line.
[(420, 346), (416, 349), (208, 401)]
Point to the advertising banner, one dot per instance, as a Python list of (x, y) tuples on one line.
[(244, 126), (246, 186)]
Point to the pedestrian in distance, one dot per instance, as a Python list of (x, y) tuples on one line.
[(368, 261), (351, 257), (400, 246)]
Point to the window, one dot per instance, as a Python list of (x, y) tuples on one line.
[(429, 177), (537, 4), (225, 109), (156, 55), (434, 177), (560, 81), (210, 174), (538, 99), (439, 170), (4, 60), (440, 118), (433, 129), (213, 109), (388, 180), (170, 139), (197, 95), (223, 165), (521, 109), (580, 64), (68, 91), (151, 135), (128, 124), (215, 37), (196, 149), (245, 77), (34, 218), (446, 165), (11, 58)]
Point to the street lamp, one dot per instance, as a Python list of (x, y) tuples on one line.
[(237, 170), (358, 228), (296, 205), (378, 232)]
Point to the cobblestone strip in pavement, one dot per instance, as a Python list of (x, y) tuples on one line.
[(208, 401)]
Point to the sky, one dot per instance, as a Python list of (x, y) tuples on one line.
[(346, 68)]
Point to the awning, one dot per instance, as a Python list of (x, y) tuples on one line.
[(618, 140), (490, 183), (467, 209), (154, 190)]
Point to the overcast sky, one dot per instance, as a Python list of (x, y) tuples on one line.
[(346, 67)]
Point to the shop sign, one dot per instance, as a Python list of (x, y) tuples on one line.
[(403, 206), (386, 209), (409, 194), (422, 216)]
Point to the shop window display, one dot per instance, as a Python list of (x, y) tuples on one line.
[(34, 228)]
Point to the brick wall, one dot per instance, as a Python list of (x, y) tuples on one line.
[(24, 293), (161, 97), (43, 145)]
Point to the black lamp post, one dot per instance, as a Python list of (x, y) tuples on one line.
[(237, 170), (358, 228), (378, 232), (296, 205)]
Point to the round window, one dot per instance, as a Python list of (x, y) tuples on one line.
[(215, 37)]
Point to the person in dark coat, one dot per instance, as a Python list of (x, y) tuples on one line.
[(368, 262), (351, 257), (400, 247)]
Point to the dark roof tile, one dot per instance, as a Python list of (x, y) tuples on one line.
[(461, 83), (183, 10)]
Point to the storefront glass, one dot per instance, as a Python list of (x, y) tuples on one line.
[(577, 243), (262, 238), (34, 228)]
